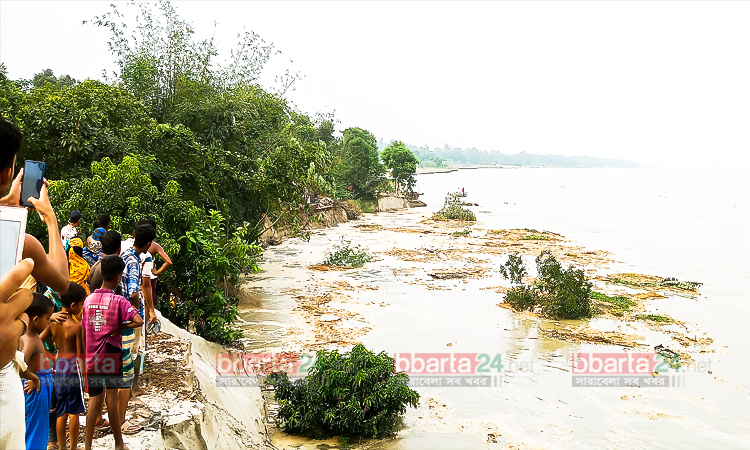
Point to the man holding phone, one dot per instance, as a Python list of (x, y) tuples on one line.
[(49, 268)]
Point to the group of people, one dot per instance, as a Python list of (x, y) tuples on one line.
[(72, 319)]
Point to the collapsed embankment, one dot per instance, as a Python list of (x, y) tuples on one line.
[(184, 408), (326, 214)]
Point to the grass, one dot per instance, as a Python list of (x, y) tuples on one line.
[(535, 237), (653, 318), (614, 304), (463, 233)]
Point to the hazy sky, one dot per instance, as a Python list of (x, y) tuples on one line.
[(653, 82)]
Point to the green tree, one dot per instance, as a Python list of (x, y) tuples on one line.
[(357, 393), (208, 254), (47, 76), (360, 164), (402, 164)]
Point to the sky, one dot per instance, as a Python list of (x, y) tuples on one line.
[(658, 83)]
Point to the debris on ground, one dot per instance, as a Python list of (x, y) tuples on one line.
[(467, 272), (652, 282), (586, 334)]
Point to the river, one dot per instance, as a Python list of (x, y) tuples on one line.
[(671, 223)]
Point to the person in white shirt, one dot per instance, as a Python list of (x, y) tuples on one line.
[(70, 231)]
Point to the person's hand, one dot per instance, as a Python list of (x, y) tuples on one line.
[(152, 316), (31, 385), (14, 278), (43, 206), (59, 317), (14, 196)]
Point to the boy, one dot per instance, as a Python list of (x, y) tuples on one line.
[(105, 316), (68, 373), (133, 281), (37, 402)]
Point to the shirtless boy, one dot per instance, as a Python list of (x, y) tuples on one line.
[(68, 338)]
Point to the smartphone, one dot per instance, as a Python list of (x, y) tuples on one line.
[(33, 180)]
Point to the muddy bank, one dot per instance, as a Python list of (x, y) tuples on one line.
[(320, 216), (183, 407)]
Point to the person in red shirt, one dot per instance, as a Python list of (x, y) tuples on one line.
[(105, 316)]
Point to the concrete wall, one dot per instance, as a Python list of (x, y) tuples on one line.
[(392, 203)]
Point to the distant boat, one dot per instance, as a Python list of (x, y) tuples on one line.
[(462, 193)]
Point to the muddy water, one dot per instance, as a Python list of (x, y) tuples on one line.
[(690, 226)]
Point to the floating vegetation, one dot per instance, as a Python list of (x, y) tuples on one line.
[(653, 318), (369, 227), (653, 282), (346, 255), (452, 210), (615, 305), (535, 237)]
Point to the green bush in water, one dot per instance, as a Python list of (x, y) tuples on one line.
[(561, 293), (357, 393), (452, 210), (346, 255)]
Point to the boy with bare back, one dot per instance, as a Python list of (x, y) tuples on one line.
[(37, 400), (68, 338)]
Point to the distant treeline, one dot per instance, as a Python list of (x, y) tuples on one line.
[(446, 156)]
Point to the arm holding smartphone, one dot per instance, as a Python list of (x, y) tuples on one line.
[(49, 268)]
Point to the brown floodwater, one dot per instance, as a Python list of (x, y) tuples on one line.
[(535, 404)]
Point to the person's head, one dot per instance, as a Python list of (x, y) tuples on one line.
[(72, 300), (39, 312), (75, 218), (112, 267), (96, 224), (10, 144), (143, 236), (105, 221), (111, 243), (98, 233), (76, 246)]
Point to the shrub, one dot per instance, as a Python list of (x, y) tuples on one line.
[(568, 291), (522, 298), (346, 255), (514, 269), (562, 293), (452, 210), (357, 393), (462, 233)]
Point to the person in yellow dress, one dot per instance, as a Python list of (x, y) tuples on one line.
[(79, 268)]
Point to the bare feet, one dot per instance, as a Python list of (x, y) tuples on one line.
[(138, 391)]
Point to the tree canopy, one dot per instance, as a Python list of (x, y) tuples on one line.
[(402, 163)]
